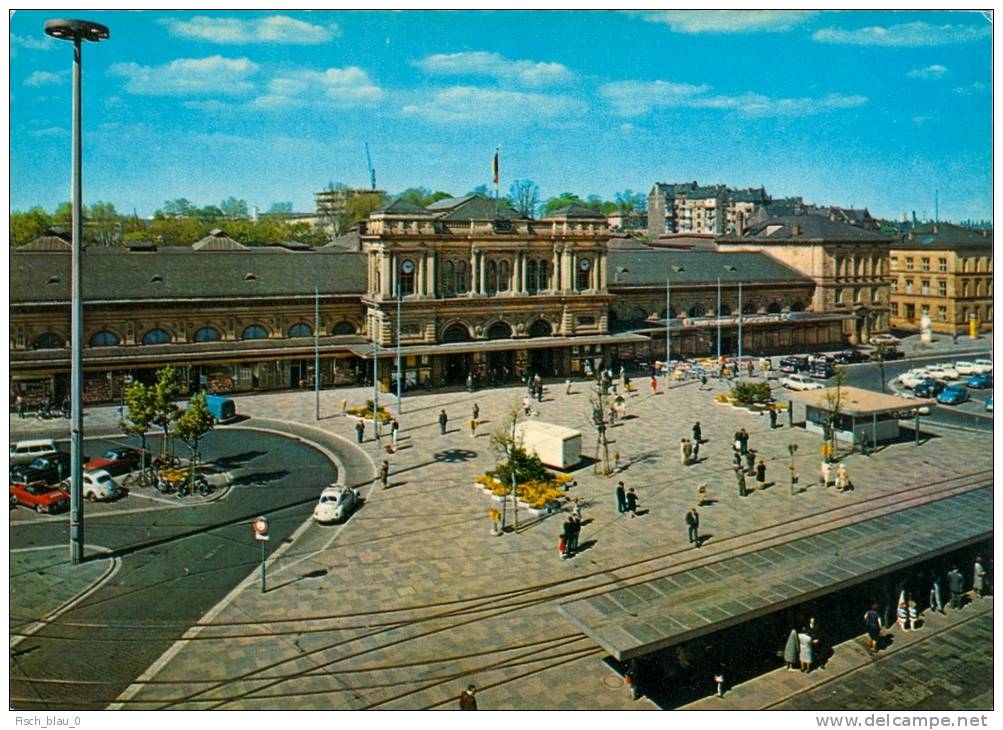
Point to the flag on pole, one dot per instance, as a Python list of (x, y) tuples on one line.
[(494, 166)]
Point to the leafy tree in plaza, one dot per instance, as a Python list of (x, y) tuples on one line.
[(234, 208), (193, 424), (165, 410), (26, 226), (525, 197), (140, 413), (834, 402)]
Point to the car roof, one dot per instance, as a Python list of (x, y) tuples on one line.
[(333, 490), (98, 473)]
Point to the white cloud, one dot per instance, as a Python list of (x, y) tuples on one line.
[(41, 78), (930, 72), (334, 88), (973, 88), (41, 42), (758, 105), (629, 98), (48, 132), (728, 21), (273, 29), (494, 65), (473, 105), (215, 74), (904, 35)]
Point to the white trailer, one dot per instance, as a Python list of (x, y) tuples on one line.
[(556, 446)]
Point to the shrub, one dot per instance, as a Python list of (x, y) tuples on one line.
[(749, 393)]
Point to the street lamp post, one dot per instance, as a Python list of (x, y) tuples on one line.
[(668, 323), (398, 347), (717, 316), (316, 352), (76, 31), (740, 322)]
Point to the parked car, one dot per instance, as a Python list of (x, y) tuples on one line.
[(949, 371), (911, 378), (116, 461), (25, 452), (800, 381), (929, 388), (98, 484), (984, 366), (966, 367), (819, 357), (989, 402), (847, 357), (884, 339), (794, 364), (953, 395), (889, 353), (822, 369), (336, 503), (40, 497), (46, 469), (980, 381)]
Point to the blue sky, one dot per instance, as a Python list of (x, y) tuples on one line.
[(875, 109)]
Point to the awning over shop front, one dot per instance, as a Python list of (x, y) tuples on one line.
[(531, 343)]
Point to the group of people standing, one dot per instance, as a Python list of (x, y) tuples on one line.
[(802, 647), (570, 533)]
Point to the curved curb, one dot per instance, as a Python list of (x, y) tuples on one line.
[(158, 665), (113, 567)]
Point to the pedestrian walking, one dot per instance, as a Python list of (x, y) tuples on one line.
[(719, 679), (913, 614), (495, 516), (842, 478), (621, 498), (791, 650), (693, 526), (696, 451), (360, 430), (697, 433), (761, 474), (683, 457), (344, 406), (567, 529), (738, 443), (631, 502), (749, 368), (806, 653), (825, 473), (936, 601), (384, 474), (567, 387), (687, 452), (740, 478), (980, 578), (525, 404), (394, 431), (467, 699), (872, 621), (470, 383), (750, 462), (818, 648), (473, 427), (576, 531), (703, 382), (956, 585), (539, 393), (654, 384), (443, 419), (773, 417), (475, 412), (745, 440), (19, 405), (902, 614), (736, 457)]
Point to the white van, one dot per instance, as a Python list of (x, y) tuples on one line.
[(25, 452)]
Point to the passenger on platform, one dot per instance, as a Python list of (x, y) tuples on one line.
[(903, 615), (913, 614), (719, 679), (805, 649), (872, 620), (791, 650), (819, 648), (980, 578), (936, 601), (956, 584)]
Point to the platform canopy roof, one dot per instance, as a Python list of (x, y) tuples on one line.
[(856, 401)]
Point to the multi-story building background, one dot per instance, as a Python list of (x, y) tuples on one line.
[(693, 208), (944, 272)]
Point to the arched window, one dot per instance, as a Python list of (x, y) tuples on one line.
[(543, 276), (697, 310), (456, 333), (156, 337), (531, 275), (492, 277), (300, 329), (48, 341), (254, 332), (462, 277), (673, 314), (344, 328), (748, 308), (448, 277), (499, 331), (725, 310), (797, 307), (774, 308), (542, 328), (207, 334), (504, 275), (104, 338)]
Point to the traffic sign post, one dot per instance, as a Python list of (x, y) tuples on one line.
[(261, 535)]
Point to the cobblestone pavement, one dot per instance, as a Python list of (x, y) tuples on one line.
[(413, 599)]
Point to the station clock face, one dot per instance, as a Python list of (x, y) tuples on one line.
[(407, 267), (584, 264)]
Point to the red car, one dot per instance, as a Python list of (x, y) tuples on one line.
[(40, 497), (115, 461)]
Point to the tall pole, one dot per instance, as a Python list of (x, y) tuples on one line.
[(668, 329), (316, 352), (717, 316), (76, 332), (740, 323), (376, 383), (398, 346)]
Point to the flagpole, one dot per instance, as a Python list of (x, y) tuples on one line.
[(497, 168)]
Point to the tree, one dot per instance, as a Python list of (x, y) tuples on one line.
[(209, 213), (234, 208), (628, 200), (561, 201), (64, 214), (834, 402), (483, 190), (179, 207), (25, 227), (139, 414), (525, 197), (193, 423), (104, 225), (359, 207), (165, 411), (283, 207), (423, 196)]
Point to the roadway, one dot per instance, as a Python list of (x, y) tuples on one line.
[(177, 562)]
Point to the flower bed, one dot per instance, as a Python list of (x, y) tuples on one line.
[(366, 412), (535, 495)]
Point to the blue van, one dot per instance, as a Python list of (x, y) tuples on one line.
[(221, 407)]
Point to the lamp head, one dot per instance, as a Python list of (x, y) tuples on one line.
[(73, 30)]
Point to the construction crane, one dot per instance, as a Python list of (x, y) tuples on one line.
[(372, 172)]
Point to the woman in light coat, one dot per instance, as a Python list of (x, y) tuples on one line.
[(842, 478)]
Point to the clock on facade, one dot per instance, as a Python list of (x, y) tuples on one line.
[(407, 267), (584, 264)]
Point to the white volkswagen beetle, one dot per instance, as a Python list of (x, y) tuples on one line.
[(336, 503)]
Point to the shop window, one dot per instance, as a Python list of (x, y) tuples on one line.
[(344, 328), (104, 338), (254, 332), (49, 341), (300, 329), (207, 334), (156, 337)]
